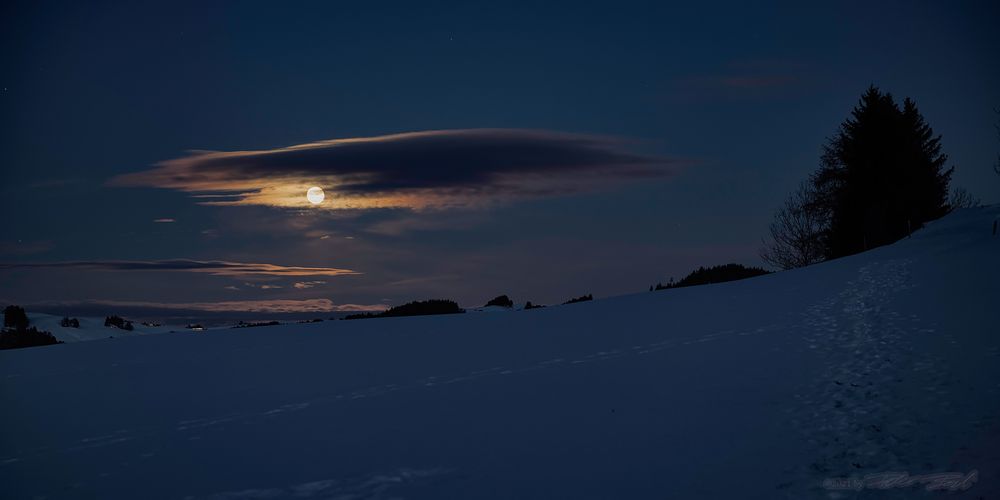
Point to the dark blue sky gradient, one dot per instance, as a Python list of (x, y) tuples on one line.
[(744, 94)]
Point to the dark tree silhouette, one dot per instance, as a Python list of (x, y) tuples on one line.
[(16, 333), (882, 176), (362, 315), (415, 308), (582, 298), (118, 322), (25, 337), (714, 274), (15, 317), (420, 308), (502, 301), (68, 322), (796, 238)]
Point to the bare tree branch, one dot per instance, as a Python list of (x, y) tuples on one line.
[(796, 232)]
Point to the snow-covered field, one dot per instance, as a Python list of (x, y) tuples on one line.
[(884, 361), (91, 328)]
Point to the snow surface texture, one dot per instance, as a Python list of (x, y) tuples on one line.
[(762, 388)]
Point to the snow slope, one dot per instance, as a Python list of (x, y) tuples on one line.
[(762, 388), (90, 328)]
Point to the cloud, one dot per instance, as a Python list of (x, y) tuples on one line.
[(257, 306), (213, 267), (302, 285), (740, 83), (20, 247), (262, 287), (164, 221), (747, 78), (756, 81), (417, 170)]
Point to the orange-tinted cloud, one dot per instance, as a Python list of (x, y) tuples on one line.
[(418, 170), (302, 285)]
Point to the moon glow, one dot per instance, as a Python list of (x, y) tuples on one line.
[(315, 195)]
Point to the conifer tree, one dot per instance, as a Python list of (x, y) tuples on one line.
[(881, 177)]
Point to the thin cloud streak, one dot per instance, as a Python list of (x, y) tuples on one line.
[(757, 81), (417, 170), (739, 82), (24, 247), (254, 306), (214, 268)]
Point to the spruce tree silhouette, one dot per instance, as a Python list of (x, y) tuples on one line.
[(881, 177), (15, 317)]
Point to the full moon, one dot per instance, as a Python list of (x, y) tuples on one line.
[(315, 195)]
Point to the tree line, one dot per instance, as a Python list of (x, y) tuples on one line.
[(17, 333), (714, 274)]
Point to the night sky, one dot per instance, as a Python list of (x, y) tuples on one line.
[(159, 155)]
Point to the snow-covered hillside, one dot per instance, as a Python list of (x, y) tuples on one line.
[(763, 388), (90, 328)]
